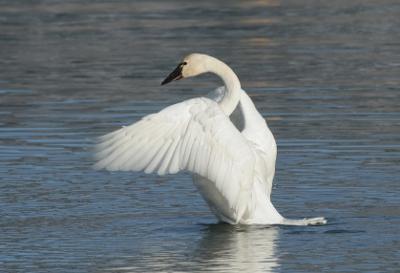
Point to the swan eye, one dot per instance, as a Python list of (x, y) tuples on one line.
[(184, 63)]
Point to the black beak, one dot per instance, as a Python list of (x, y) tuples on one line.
[(175, 75)]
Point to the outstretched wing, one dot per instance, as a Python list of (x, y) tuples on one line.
[(194, 135)]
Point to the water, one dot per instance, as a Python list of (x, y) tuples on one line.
[(325, 76)]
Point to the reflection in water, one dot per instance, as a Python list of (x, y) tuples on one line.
[(239, 249), (222, 248)]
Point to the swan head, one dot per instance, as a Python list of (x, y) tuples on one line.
[(192, 65)]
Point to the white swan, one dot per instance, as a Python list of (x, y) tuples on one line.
[(222, 140)]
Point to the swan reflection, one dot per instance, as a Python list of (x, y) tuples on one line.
[(221, 248), (238, 248)]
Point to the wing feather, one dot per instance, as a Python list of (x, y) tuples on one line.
[(194, 135)]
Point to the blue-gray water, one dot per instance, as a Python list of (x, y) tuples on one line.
[(325, 74)]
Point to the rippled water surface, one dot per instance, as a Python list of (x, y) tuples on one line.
[(325, 74)]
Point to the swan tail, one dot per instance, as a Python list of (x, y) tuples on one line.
[(305, 222)]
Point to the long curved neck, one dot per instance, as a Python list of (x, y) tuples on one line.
[(232, 85)]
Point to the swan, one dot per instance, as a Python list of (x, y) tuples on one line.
[(221, 139)]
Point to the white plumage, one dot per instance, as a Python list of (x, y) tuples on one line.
[(222, 140)]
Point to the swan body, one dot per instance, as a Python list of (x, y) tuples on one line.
[(221, 139)]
